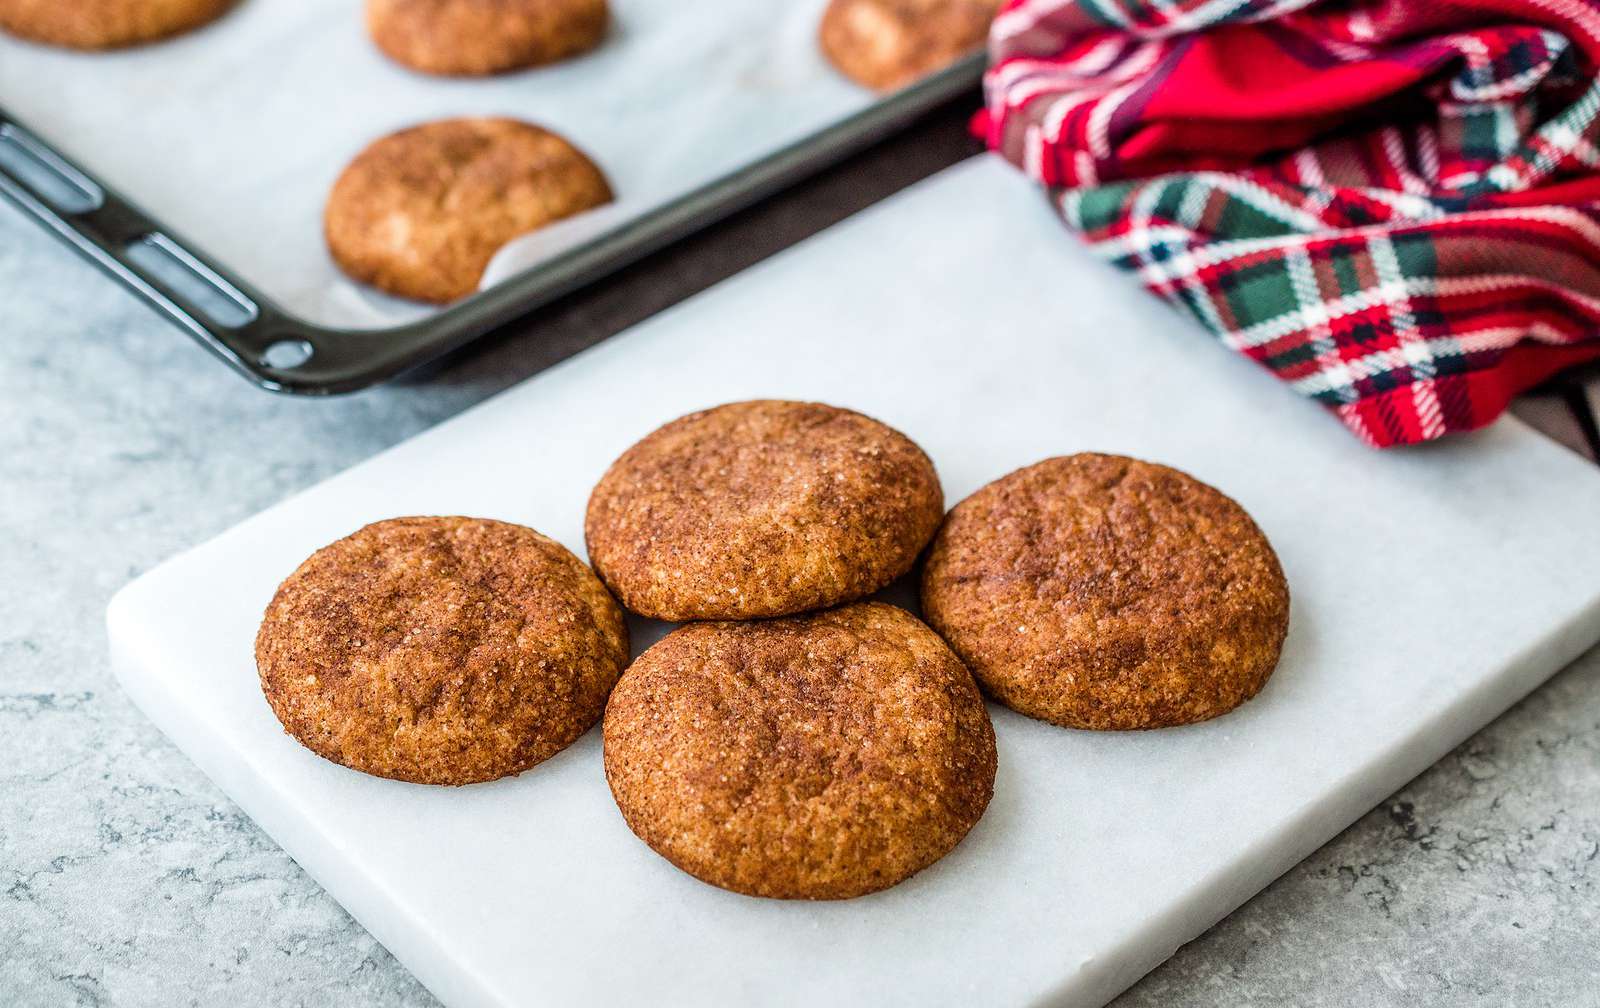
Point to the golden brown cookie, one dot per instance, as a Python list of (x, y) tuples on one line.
[(813, 757), (421, 212), (761, 509), (105, 24), (887, 44), (440, 650), (1096, 591), (478, 37)]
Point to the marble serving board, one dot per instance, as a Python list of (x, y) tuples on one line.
[(1432, 588)]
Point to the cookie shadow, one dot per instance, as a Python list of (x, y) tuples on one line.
[(644, 632), (903, 592)]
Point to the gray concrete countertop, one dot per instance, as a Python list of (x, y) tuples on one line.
[(127, 878)]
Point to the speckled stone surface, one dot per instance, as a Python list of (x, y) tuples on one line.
[(126, 878)]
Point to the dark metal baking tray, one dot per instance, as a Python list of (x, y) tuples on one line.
[(281, 352)]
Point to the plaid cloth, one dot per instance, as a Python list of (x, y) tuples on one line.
[(1392, 204)]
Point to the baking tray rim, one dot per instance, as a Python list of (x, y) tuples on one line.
[(340, 360)]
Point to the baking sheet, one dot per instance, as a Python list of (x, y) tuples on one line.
[(1432, 588), (233, 135)]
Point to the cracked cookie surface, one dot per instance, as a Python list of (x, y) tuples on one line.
[(420, 212), (440, 650), (480, 37), (812, 757), (1096, 591), (761, 508)]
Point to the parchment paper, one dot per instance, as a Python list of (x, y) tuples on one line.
[(233, 135)]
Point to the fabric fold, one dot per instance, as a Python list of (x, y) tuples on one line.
[(1393, 206)]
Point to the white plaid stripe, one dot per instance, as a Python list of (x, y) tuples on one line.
[(1428, 151), (1026, 19), (1303, 277), (1107, 10), (1579, 15), (1394, 149), (1479, 85), (1382, 361), (1413, 348), (1204, 256), (1142, 210), (1184, 264), (1216, 11)]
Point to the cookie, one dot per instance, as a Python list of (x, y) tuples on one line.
[(761, 508), (1096, 591), (812, 757), (440, 650), (105, 24), (887, 44), (421, 212), (479, 37)]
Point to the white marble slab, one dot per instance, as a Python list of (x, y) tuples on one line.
[(1432, 588)]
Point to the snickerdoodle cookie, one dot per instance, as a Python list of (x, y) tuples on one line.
[(814, 757), (1096, 591), (886, 44), (761, 509), (105, 24), (478, 37), (440, 650), (421, 212)]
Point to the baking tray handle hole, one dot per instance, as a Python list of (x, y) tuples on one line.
[(172, 266), (285, 354), (45, 174)]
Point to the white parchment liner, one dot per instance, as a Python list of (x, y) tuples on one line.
[(232, 136)]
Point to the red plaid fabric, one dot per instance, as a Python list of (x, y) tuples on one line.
[(1394, 205)]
